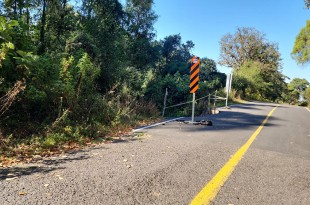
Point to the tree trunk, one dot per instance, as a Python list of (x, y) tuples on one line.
[(62, 17), (89, 9), (42, 31), (15, 9), (27, 13), (20, 5)]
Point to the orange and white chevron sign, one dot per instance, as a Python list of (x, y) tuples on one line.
[(194, 74)]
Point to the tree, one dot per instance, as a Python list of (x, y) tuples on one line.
[(102, 29), (307, 95), (248, 44), (210, 79), (175, 54), (298, 87), (70, 69), (140, 19), (207, 66), (307, 3), (301, 51), (42, 46), (298, 84), (248, 81), (290, 96), (14, 8), (255, 80), (174, 50), (171, 44), (259, 63)]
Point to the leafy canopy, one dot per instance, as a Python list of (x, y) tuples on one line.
[(248, 44), (298, 84), (301, 49)]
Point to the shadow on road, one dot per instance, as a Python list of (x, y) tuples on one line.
[(254, 106), (49, 164), (229, 120), (42, 166), (13, 172), (232, 121)]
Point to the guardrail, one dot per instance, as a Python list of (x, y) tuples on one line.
[(214, 98)]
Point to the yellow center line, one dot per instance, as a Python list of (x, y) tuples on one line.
[(209, 192)]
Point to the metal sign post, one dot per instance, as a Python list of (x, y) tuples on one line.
[(226, 98), (165, 101), (194, 78), (228, 87), (193, 107)]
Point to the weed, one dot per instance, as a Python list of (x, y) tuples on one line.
[(140, 135)]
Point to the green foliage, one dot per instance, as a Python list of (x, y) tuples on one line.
[(175, 54), (54, 139), (307, 3), (248, 44), (7, 36), (209, 76), (290, 96), (255, 80), (248, 81), (296, 88), (298, 84), (6, 28), (307, 95), (70, 72), (300, 50), (177, 83), (256, 63), (140, 33)]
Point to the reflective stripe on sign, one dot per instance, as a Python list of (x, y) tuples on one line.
[(194, 74)]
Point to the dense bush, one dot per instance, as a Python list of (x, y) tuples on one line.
[(68, 72)]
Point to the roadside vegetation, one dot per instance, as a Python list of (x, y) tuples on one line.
[(74, 75)]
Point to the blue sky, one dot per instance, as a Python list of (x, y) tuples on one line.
[(205, 22)]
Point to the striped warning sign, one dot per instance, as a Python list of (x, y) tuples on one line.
[(194, 75)]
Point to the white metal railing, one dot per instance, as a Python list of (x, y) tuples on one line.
[(214, 97)]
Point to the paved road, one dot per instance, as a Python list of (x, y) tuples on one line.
[(172, 163)]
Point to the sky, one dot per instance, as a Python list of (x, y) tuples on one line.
[(205, 22)]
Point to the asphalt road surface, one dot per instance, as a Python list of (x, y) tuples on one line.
[(173, 163)]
